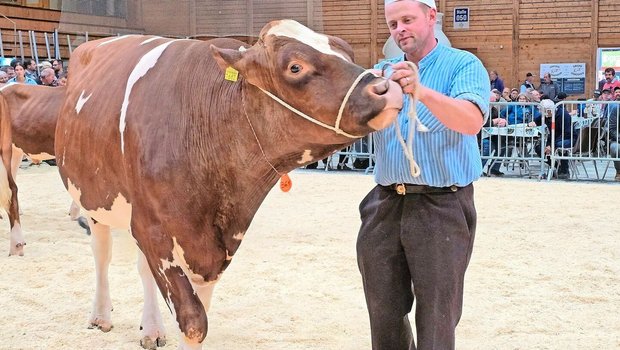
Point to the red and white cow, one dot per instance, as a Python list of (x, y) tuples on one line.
[(28, 115), (157, 136)]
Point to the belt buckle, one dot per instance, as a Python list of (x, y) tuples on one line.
[(401, 189)]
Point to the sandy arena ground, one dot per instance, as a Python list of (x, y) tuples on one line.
[(545, 272)]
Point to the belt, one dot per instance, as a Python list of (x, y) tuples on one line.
[(403, 189)]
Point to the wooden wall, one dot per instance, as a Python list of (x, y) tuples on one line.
[(510, 36)]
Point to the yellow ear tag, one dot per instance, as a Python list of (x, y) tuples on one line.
[(231, 74)]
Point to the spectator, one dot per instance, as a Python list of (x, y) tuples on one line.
[(10, 71), (31, 69), (45, 64), (498, 94), (493, 143), (613, 116), (528, 83), (58, 68), (563, 133), (549, 88), (535, 96), (611, 81), (48, 78), (522, 113), (514, 94), (617, 93), (506, 94), (496, 81), (3, 77), (20, 75)]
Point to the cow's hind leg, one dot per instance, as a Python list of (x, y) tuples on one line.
[(101, 244), (152, 325), (17, 240)]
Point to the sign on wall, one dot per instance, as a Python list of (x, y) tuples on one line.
[(570, 76), (461, 18)]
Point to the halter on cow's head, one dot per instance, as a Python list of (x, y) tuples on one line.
[(313, 75)]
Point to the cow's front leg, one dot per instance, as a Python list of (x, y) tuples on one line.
[(101, 244), (152, 325), (166, 263)]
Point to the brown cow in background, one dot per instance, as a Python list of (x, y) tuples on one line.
[(28, 115), (158, 137)]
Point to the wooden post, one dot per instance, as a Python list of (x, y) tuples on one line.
[(192, 18), (515, 51), (374, 22), (250, 21), (310, 14), (593, 48)]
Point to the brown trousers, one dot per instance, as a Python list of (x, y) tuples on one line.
[(415, 245)]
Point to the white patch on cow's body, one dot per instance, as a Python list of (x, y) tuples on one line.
[(147, 62), (299, 32), (115, 39), (239, 236), (306, 157), (118, 216), (150, 39), (41, 156), (81, 101)]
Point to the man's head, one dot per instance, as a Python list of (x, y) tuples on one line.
[(562, 96), (47, 76), (3, 77), (30, 65), (528, 77), (610, 74), (535, 95), (597, 93), (617, 93), (57, 65), (411, 24), (547, 77), (606, 95), (514, 93)]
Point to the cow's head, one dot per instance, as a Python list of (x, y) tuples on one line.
[(313, 72)]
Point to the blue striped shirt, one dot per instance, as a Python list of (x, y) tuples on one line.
[(445, 157)]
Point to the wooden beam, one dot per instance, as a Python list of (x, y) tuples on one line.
[(592, 78), (250, 20), (515, 51), (310, 14), (192, 17), (374, 22)]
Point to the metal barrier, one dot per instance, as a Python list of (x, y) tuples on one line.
[(513, 136), (593, 135)]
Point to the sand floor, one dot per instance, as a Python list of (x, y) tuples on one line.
[(545, 272)]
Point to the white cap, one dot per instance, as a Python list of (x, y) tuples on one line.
[(429, 3)]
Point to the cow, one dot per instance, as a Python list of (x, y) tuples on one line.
[(28, 115), (180, 141)]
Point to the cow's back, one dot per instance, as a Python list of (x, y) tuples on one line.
[(141, 102)]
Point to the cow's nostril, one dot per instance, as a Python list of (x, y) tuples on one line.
[(381, 88)]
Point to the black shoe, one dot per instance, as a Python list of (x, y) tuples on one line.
[(50, 162)]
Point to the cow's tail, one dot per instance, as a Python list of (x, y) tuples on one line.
[(6, 151)]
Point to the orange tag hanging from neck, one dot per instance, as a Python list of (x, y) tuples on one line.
[(285, 183)]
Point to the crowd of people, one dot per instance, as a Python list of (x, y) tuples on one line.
[(49, 73), (530, 104)]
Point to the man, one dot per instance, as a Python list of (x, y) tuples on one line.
[(418, 231), (58, 69), (611, 82), (48, 78), (496, 81), (31, 69), (3, 77), (528, 83), (549, 87)]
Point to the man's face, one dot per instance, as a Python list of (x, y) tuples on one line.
[(56, 66), (4, 78), (617, 94), (514, 94), (547, 78), (11, 72), (48, 79), (32, 66), (609, 77), (410, 25), (606, 96), (535, 95)]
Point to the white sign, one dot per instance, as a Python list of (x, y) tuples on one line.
[(461, 18), (563, 70)]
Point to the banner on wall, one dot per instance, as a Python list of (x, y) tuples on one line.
[(571, 77), (607, 57)]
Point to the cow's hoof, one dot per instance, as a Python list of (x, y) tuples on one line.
[(148, 343), (84, 224), (17, 249), (104, 326)]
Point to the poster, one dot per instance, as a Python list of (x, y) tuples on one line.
[(570, 76)]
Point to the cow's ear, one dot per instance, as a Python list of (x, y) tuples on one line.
[(226, 57)]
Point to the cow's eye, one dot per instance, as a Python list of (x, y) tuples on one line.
[(295, 68)]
